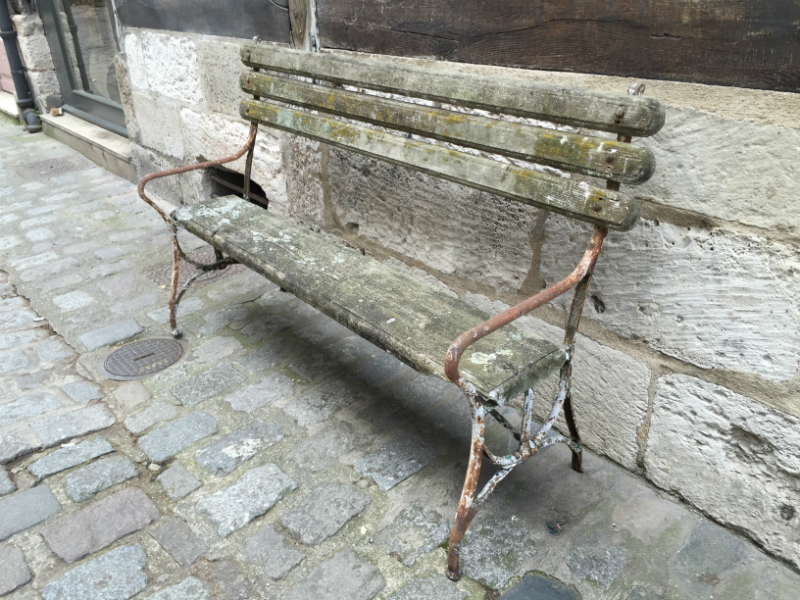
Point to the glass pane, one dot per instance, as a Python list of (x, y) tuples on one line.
[(91, 59)]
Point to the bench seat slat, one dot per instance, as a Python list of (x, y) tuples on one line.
[(594, 156), (629, 115), (412, 320), (574, 199)]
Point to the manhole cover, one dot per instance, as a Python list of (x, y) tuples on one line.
[(161, 274), (51, 167), (140, 359)]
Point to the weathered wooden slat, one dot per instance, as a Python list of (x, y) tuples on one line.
[(621, 162), (412, 320), (298, 20), (575, 199), (746, 43), (618, 113)]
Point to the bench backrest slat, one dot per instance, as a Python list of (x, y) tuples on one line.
[(588, 155), (566, 196), (628, 115)]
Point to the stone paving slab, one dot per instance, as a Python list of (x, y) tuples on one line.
[(178, 482), (345, 576), (416, 530), (25, 509), (223, 455), (117, 575), (152, 415), (85, 482), (223, 577), (110, 334), (27, 407), (436, 587), (253, 494), (14, 571), (82, 391), (12, 446), (190, 588), (179, 540), (396, 461), (207, 385), (71, 456), (165, 442), (6, 485), (261, 394), (100, 524), (324, 512), (57, 429), (272, 552), (322, 403)]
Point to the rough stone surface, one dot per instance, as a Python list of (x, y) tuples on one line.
[(71, 456), (161, 124), (170, 64), (53, 351), (344, 576), (85, 482), (185, 308), (541, 588), (190, 588), (117, 575), (273, 552), (324, 512), (14, 571), (396, 461), (258, 330), (320, 451), (26, 509), (320, 404), (6, 485), (741, 444), (225, 454), (494, 548), (111, 334), (224, 577), (73, 300), (222, 318), (165, 442), (179, 540), (436, 587), (27, 407), (54, 430), (13, 361), (415, 531), (271, 388), (82, 391), (594, 558), (178, 482), (206, 385), (251, 496), (682, 307), (100, 524), (217, 348), (705, 557), (155, 413), (13, 447)]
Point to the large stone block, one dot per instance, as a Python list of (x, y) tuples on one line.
[(731, 456), (704, 165), (45, 89), (220, 67), (33, 47), (137, 69), (159, 124), (213, 135), (170, 65), (715, 298)]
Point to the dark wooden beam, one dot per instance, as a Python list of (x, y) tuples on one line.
[(747, 43)]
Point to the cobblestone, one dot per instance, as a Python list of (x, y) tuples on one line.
[(216, 349), (153, 414), (107, 269), (185, 308), (261, 394), (273, 552), (14, 571), (416, 530), (20, 338), (178, 482), (100, 524), (594, 558), (345, 576), (27, 407), (16, 319), (179, 540), (85, 482), (225, 454), (6, 485), (541, 588), (223, 576), (111, 334), (320, 451), (396, 461), (190, 588), (56, 429), (71, 456), (209, 384), (251, 496), (167, 441), (436, 587), (321, 404), (53, 351), (25, 509), (324, 512), (82, 391), (117, 575), (13, 447), (222, 318), (73, 300), (267, 356)]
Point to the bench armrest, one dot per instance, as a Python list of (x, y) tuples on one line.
[(466, 339)]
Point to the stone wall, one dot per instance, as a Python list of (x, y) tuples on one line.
[(38, 61), (687, 366)]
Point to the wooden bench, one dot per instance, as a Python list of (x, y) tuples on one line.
[(491, 360)]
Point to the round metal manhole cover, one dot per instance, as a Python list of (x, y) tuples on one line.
[(141, 359)]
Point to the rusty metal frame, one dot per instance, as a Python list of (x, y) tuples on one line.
[(529, 443), (221, 262)]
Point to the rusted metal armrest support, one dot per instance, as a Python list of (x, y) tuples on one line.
[(178, 254)]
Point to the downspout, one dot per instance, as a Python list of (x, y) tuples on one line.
[(27, 108)]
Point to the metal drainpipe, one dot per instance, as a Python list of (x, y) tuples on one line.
[(25, 103)]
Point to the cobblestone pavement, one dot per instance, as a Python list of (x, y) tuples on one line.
[(283, 457)]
